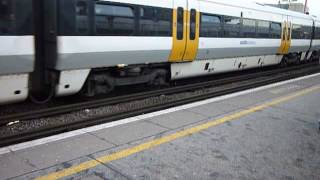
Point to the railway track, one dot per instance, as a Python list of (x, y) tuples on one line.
[(222, 86)]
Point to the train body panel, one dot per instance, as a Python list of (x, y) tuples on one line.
[(217, 48), (16, 54), (78, 52), (215, 66), (17, 51)]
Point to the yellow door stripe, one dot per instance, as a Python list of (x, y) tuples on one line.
[(192, 45), (288, 39), (178, 46), (283, 38), (151, 144)]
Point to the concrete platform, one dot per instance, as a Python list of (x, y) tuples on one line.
[(267, 133)]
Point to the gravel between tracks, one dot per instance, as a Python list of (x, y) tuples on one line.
[(86, 113)]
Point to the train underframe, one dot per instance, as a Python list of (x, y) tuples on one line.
[(103, 80)]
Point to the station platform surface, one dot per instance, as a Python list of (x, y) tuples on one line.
[(265, 133)]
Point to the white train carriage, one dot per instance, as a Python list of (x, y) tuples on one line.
[(94, 38), (99, 34), (17, 52), (236, 36)]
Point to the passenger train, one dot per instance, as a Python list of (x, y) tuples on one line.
[(63, 47)]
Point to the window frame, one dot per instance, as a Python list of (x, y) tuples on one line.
[(115, 32), (224, 27), (220, 27), (254, 34)]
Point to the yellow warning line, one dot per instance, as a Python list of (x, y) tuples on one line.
[(127, 152)]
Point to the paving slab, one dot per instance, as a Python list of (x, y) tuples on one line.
[(309, 82), (99, 172), (214, 109), (259, 97), (308, 105), (274, 142), (129, 132), (61, 151), (12, 165), (177, 119)]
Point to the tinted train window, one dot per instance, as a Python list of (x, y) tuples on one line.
[(275, 30), (297, 32), (307, 32), (114, 20), (180, 21), (263, 29), (193, 16), (248, 28), (210, 26), (16, 17), (164, 21), (155, 21), (317, 33), (6, 17), (231, 26), (82, 17)]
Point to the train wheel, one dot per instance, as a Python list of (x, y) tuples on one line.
[(159, 80)]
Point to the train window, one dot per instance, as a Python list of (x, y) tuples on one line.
[(16, 17), (6, 17), (275, 30), (164, 21), (248, 28), (82, 17), (193, 16), (66, 18), (155, 21), (82, 8), (231, 26), (297, 32), (114, 20), (180, 21), (147, 21), (210, 26), (307, 32), (317, 33), (24, 17), (263, 29)]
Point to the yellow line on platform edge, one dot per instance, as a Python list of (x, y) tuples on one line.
[(127, 152)]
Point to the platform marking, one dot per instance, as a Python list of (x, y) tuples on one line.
[(180, 134), (70, 134)]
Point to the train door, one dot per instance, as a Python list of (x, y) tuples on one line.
[(285, 36), (185, 34), (289, 32), (193, 24)]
